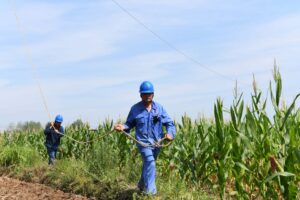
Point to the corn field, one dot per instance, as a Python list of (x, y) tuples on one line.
[(242, 153)]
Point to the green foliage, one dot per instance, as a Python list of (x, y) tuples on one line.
[(15, 155), (251, 155)]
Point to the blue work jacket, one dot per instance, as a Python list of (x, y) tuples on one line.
[(53, 138), (149, 125)]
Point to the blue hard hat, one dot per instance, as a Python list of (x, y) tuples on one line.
[(59, 118), (146, 87)]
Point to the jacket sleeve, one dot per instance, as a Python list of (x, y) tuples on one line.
[(47, 130), (62, 131), (130, 122), (168, 123)]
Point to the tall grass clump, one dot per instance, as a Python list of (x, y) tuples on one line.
[(15, 155)]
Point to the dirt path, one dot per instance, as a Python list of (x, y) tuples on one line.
[(15, 189)]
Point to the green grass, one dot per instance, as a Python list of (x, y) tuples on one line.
[(101, 178)]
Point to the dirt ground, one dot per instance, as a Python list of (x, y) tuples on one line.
[(15, 189)]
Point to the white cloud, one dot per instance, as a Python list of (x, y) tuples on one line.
[(266, 38), (69, 46), (182, 4), (149, 66), (118, 54), (254, 49), (4, 82), (67, 94)]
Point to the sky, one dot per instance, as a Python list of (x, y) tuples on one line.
[(89, 57)]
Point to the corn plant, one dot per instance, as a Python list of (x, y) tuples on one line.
[(247, 155)]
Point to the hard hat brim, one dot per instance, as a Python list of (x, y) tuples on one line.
[(147, 92)]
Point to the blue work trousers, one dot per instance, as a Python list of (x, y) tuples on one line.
[(147, 180), (52, 155)]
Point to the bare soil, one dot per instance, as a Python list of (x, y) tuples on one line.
[(15, 189)]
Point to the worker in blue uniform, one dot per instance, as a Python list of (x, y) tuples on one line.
[(53, 132), (148, 118)]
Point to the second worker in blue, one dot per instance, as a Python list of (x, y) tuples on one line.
[(53, 132)]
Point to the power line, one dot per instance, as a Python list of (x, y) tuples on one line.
[(29, 57), (170, 45)]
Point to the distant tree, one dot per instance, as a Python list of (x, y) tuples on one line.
[(11, 126), (77, 123), (29, 126)]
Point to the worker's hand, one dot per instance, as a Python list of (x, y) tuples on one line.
[(119, 127), (169, 137), (52, 124)]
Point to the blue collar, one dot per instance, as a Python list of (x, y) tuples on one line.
[(153, 107)]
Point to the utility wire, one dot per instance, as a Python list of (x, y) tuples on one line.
[(170, 45), (35, 76), (29, 58)]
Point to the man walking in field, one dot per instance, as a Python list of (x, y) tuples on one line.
[(54, 131), (148, 118)]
